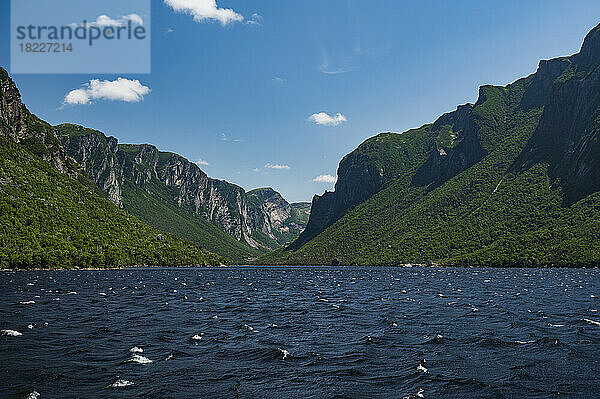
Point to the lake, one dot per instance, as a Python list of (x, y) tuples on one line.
[(332, 332)]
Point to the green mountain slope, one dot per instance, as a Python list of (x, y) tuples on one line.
[(510, 180), (170, 193), (53, 216)]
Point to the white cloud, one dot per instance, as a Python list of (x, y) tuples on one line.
[(278, 79), (276, 166), (256, 170), (104, 21), (202, 162), (205, 10), (324, 119), (131, 91), (325, 179)]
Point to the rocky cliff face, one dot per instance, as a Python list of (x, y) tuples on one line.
[(22, 127), (257, 220), (568, 135), (98, 156), (277, 218)]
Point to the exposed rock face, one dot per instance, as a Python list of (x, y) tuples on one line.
[(98, 156), (275, 217), (258, 221), (568, 135), (465, 150), (21, 126)]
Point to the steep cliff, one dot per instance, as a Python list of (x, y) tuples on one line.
[(275, 217), (568, 135), (167, 191), (26, 129), (510, 180), (52, 214)]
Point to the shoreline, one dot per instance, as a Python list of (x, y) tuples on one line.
[(222, 266)]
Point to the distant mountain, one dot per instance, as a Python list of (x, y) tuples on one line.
[(167, 191), (512, 180), (51, 214)]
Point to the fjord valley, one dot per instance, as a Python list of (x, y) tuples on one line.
[(511, 180), (72, 197)]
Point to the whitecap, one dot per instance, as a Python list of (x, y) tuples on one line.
[(33, 395), (30, 326), (72, 293), (102, 293), (11, 333), (120, 383), (524, 342), (140, 359), (592, 322), (422, 368), (284, 352), (197, 337), (169, 357), (27, 302), (555, 325), (272, 325), (247, 327), (136, 349)]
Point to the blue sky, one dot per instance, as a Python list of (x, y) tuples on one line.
[(239, 96)]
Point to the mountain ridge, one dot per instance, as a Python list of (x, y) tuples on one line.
[(136, 175), (505, 181)]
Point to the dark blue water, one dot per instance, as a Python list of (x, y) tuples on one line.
[(300, 333)]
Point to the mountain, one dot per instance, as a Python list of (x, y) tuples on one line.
[(511, 180), (284, 221), (52, 214), (169, 192)]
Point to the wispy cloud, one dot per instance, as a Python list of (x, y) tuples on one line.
[(327, 178), (278, 79), (224, 137), (328, 69), (205, 10), (325, 119), (277, 166), (122, 89), (255, 20), (256, 170), (201, 162)]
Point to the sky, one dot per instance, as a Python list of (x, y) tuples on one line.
[(275, 93)]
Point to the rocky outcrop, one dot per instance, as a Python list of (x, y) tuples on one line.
[(22, 127)]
